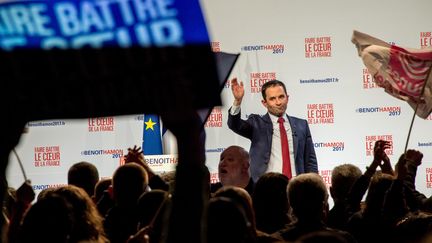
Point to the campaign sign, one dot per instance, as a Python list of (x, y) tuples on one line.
[(97, 23)]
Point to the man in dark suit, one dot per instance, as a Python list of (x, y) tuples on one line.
[(266, 150)]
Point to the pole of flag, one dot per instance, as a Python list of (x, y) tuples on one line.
[(415, 112), (20, 164)]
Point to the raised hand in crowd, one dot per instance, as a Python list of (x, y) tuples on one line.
[(415, 199), (401, 199), (381, 156), (136, 155), (380, 159), (407, 165), (361, 185), (414, 157)]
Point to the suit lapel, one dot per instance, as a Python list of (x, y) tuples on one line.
[(294, 135), (269, 125)]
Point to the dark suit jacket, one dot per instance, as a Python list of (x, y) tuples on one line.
[(259, 129)]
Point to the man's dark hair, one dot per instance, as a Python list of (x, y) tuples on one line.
[(272, 83), (85, 175)]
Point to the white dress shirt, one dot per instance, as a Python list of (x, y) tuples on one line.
[(275, 162)]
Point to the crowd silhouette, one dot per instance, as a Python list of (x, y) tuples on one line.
[(136, 205)]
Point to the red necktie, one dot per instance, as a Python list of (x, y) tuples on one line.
[(286, 166)]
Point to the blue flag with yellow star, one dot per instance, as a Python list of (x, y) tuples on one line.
[(152, 139)]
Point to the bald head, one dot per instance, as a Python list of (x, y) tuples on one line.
[(234, 166)]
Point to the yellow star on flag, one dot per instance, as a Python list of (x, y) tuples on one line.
[(149, 124)]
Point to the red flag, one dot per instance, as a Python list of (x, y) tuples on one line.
[(402, 72)]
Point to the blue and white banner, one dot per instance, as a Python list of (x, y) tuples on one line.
[(97, 23)]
